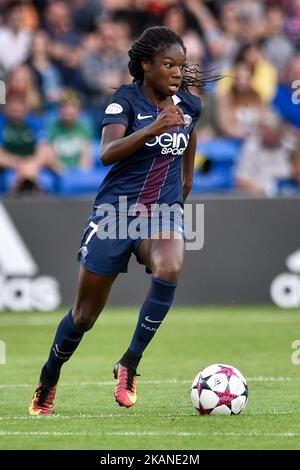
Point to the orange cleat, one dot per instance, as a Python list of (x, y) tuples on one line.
[(125, 391), (43, 401)]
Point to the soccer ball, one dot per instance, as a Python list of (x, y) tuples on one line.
[(219, 389)]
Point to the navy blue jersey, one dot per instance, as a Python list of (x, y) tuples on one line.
[(152, 174)]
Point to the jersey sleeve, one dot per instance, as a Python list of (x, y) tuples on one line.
[(118, 109)]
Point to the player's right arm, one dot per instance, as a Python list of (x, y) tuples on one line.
[(115, 146)]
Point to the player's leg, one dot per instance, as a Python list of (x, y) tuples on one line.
[(92, 293), (165, 258)]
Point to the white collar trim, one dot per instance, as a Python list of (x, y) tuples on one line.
[(175, 99)]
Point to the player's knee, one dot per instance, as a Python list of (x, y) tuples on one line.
[(167, 271), (84, 318), (83, 322)]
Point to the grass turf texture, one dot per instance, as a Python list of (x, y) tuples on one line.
[(255, 340)]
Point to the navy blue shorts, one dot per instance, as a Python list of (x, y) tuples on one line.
[(107, 244)]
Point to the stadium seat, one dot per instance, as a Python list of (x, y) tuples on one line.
[(76, 182), (220, 150), (47, 181), (222, 155), (213, 181)]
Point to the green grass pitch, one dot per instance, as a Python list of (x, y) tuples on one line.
[(256, 340)]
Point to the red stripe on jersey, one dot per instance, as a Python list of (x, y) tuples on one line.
[(154, 181)]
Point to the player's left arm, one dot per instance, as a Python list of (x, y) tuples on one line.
[(188, 164)]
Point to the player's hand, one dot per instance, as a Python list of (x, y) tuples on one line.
[(169, 118)]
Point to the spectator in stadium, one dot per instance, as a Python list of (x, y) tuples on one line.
[(222, 36), (291, 186), (85, 15), (264, 158), (22, 145), (111, 6), (30, 14), (14, 38), (285, 101), (123, 36), (3, 7), (277, 47), (239, 109), (251, 14), (65, 42), (292, 25), (70, 137), (46, 73), (137, 13), (156, 7), (103, 71), (175, 18), (22, 82), (264, 75)]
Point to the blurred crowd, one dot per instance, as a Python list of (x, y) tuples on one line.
[(61, 60)]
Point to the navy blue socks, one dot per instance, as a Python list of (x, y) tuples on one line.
[(153, 311), (66, 340)]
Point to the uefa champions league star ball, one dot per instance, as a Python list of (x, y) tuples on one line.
[(219, 389)]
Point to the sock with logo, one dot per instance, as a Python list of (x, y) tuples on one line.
[(67, 339), (154, 309)]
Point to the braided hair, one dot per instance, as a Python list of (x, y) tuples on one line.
[(157, 39)]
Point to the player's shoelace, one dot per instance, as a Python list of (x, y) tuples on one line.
[(131, 379), (127, 378)]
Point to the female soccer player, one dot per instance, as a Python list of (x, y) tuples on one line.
[(148, 136)]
